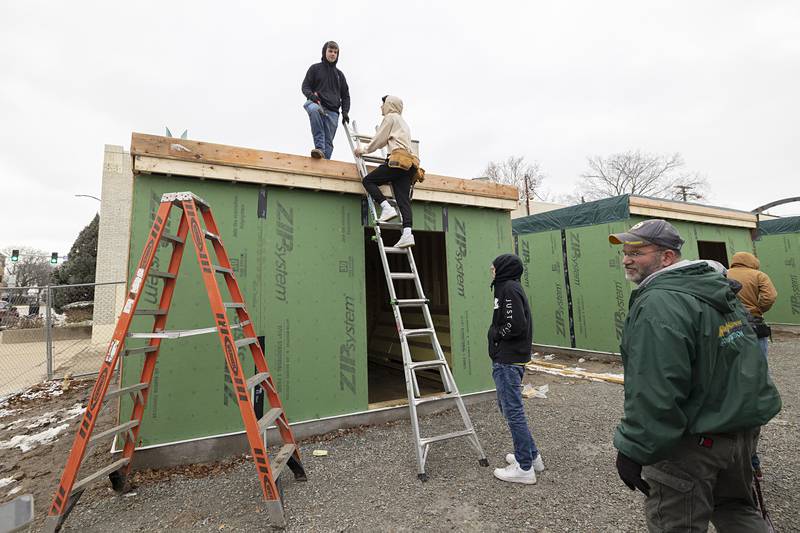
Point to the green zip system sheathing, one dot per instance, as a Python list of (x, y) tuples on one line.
[(574, 277), (778, 250), (299, 256)]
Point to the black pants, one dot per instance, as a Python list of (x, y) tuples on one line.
[(401, 183)]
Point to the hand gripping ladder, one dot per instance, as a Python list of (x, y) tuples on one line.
[(411, 367), (193, 208)]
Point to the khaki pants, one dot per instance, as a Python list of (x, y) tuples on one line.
[(706, 478)]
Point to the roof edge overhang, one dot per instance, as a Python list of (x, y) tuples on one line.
[(182, 157), (655, 208)]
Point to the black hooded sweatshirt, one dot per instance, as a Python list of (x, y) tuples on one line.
[(329, 83), (511, 332)]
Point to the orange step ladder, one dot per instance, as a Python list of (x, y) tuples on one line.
[(269, 470)]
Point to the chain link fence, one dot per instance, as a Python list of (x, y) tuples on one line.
[(51, 331)]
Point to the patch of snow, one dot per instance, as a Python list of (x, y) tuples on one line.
[(8, 412), (29, 442), (6, 481), (53, 388), (14, 491)]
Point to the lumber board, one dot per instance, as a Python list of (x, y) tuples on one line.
[(216, 155), (156, 165), (695, 213)]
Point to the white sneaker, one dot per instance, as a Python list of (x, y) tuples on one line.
[(405, 241), (538, 464), (514, 474), (387, 214)]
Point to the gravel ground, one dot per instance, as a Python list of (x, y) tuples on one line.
[(368, 481)]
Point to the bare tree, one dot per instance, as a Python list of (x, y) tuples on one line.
[(33, 267), (641, 173), (526, 177)]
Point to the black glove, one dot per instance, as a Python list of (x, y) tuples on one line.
[(630, 472), (345, 118)]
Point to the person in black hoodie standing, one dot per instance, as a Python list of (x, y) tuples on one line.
[(325, 89), (510, 337)]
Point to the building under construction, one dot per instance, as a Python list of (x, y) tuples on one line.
[(297, 231)]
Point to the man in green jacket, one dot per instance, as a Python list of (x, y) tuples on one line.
[(696, 389)]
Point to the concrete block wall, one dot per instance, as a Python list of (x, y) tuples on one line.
[(113, 240)]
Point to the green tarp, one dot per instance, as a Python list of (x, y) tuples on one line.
[(778, 226), (586, 214)]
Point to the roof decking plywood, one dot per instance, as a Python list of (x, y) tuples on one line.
[(167, 155), (655, 208)]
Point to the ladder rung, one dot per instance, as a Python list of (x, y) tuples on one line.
[(417, 332), (160, 274), (390, 224), (170, 237), (434, 397), (141, 349), (211, 236), (245, 342), (155, 312), (256, 379), (421, 365), (414, 302), (218, 268), (116, 465), (373, 159), (446, 436), (233, 305), (132, 388), (393, 250), (280, 460), (175, 334), (114, 431), (402, 275), (269, 419), (239, 325)]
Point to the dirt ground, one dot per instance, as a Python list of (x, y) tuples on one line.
[(368, 483)]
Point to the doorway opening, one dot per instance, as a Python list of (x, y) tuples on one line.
[(713, 250), (386, 378)]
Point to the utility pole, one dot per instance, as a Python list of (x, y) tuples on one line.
[(683, 189)]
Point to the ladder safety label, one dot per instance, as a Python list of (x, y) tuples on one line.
[(137, 282), (112, 350), (128, 306)]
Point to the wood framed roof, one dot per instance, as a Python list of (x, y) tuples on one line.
[(182, 157), (656, 208)]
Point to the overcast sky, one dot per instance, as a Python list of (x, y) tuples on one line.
[(552, 81)]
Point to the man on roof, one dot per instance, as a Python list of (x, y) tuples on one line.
[(696, 389), (326, 90)]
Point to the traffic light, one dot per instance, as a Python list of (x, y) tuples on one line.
[(14, 256), (54, 257)]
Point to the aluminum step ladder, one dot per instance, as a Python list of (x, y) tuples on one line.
[(411, 367), (205, 238)]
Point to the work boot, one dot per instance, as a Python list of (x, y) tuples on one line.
[(316, 153), (406, 241), (514, 474), (387, 214), (538, 464)]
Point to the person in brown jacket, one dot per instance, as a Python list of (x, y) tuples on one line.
[(757, 293)]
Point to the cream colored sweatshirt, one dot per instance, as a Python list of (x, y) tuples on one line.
[(393, 132)]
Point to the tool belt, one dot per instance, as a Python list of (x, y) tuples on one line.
[(403, 159)]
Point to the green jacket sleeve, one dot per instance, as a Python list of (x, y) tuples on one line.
[(658, 370)]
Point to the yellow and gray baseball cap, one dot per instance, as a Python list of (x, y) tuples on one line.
[(654, 231)]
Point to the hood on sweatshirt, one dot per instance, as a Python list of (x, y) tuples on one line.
[(391, 104), (325, 46), (745, 260), (506, 267), (697, 279)]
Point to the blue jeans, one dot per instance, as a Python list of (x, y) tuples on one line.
[(508, 380), (323, 126)]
